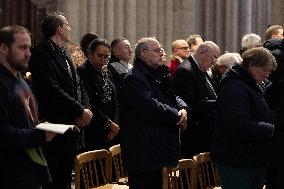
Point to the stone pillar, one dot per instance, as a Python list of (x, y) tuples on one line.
[(119, 18), (152, 17), (277, 13), (109, 20), (222, 21), (92, 16), (130, 20)]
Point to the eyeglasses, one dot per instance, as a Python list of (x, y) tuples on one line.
[(183, 48), (157, 50), (103, 57)]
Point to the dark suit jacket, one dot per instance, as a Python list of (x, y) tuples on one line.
[(190, 85), (59, 95)]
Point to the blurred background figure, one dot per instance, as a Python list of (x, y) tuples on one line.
[(193, 41), (85, 42), (119, 64), (181, 52), (249, 41), (223, 63), (164, 57), (274, 32)]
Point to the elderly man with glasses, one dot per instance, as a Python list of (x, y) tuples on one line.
[(151, 117), (181, 52), (194, 86)]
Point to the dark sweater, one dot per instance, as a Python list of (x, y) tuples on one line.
[(21, 160)]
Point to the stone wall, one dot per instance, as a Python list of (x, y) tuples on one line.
[(222, 21)]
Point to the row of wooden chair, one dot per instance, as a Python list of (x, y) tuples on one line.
[(198, 172), (104, 169), (100, 169)]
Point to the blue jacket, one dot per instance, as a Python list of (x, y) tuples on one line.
[(243, 128), (148, 117)]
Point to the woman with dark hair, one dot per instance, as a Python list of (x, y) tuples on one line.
[(103, 129), (243, 129)]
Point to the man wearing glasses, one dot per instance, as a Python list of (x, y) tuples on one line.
[(181, 52), (151, 117), (194, 86)]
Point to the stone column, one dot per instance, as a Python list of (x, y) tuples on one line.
[(92, 16), (130, 20), (109, 19), (119, 18), (152, 17)]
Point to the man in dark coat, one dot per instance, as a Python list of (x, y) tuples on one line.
[(194, 86), (59, 95), (22, 164), (275, 94), (151, 117)]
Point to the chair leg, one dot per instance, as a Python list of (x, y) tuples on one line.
[(165, 177)]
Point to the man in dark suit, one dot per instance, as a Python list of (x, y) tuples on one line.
[(193, 85), (60, 98), (150, 118)]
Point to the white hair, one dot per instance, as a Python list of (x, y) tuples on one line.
[(229, 59), (251, 40)]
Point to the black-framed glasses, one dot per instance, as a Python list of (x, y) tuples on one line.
[(157, 50)]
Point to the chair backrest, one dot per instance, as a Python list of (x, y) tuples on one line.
[(207, 173), (119, 172), (184, 175), (92, 169)]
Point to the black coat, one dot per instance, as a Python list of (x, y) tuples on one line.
[(60, 97), (95, 133), (243, 128), (190, 85), (148, 117), (275, 92)]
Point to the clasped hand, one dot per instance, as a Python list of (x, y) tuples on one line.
[(182, 123)]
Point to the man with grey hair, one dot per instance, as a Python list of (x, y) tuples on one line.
[(151, 117), (249, 41), (195, 87)]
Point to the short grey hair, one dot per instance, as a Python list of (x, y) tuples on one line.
[(251, 40), (229, 59), (142, 44)]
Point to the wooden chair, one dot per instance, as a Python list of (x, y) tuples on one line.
[(119, 173), (181, 177), (92, 169), (207, 174)]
